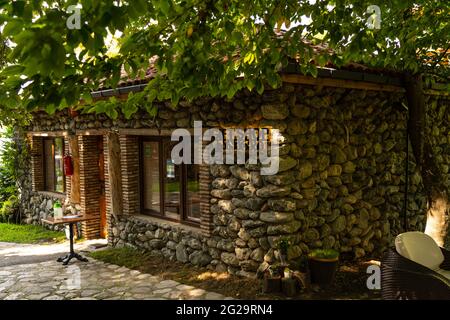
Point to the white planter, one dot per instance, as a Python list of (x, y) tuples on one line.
[(57, 213), (287, 274)]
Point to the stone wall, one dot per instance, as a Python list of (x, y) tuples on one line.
[(36, 205), (40, 206), (438, 133), (341, 182)]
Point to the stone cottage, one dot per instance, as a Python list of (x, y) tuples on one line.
[(341, 183)]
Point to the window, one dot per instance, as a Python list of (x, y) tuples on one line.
[(53, 165), (168, 190)]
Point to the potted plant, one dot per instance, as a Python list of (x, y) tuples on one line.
[(57, 210), (288, 284), (272, 279), (323, 265), (283, 246)]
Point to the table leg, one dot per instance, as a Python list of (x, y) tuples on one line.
[(66, 259), (61, 259), (71, 238)]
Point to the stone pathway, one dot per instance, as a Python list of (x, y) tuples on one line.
[(94, 280)]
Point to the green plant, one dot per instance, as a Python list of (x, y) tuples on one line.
[(7, 167), (57, 204), (275, 270), (9, 208), (324, 254), (13, 158), (284, 245)]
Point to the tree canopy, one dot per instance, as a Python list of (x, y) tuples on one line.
[(203, 47)]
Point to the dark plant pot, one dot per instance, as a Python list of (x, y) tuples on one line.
[(289, 286), (323, 271), (272, 284)]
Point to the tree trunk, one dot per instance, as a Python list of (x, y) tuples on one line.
[(438, 204)]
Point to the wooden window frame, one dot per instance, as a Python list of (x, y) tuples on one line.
[(183, 218), (44, 166)]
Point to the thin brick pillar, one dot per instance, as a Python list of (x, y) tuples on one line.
[(206, 217), (89, 185), (113, 181), (129, 160), (206, 223), (37, 163)]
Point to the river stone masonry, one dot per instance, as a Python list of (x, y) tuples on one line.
[(340, 185)]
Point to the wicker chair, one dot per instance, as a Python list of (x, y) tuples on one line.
[(413, 277)]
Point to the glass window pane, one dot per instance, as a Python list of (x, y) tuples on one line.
[(172, 183), (193, 191), (59, 165), (49, 165), (151, 176)]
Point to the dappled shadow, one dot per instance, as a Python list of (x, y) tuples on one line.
[(350, 280)]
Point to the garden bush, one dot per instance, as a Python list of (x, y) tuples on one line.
[(12, 157), (9, 209)]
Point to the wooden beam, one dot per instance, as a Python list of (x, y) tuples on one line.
[(75, 178), (340, 83), (139, 132), (91, 132), (152, 132), (47, 134), (114, 173)]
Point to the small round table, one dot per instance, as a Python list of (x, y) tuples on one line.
[(70, 220)]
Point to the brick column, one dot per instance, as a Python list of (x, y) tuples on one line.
[(129, 160), (206, 223), (67, 179), (89, 185), (107, 188), (37, 163)]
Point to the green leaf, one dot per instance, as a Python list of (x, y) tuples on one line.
[(152, 110), (12, 70), (314, 71), (50, 108), (259, 87), (12, 28), (18, 8), (129, 109), (164, 5), (250, 85), (112, 112)]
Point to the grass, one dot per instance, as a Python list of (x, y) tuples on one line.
[(28, 234), (350, 281), (126, 257), (223, 283)]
